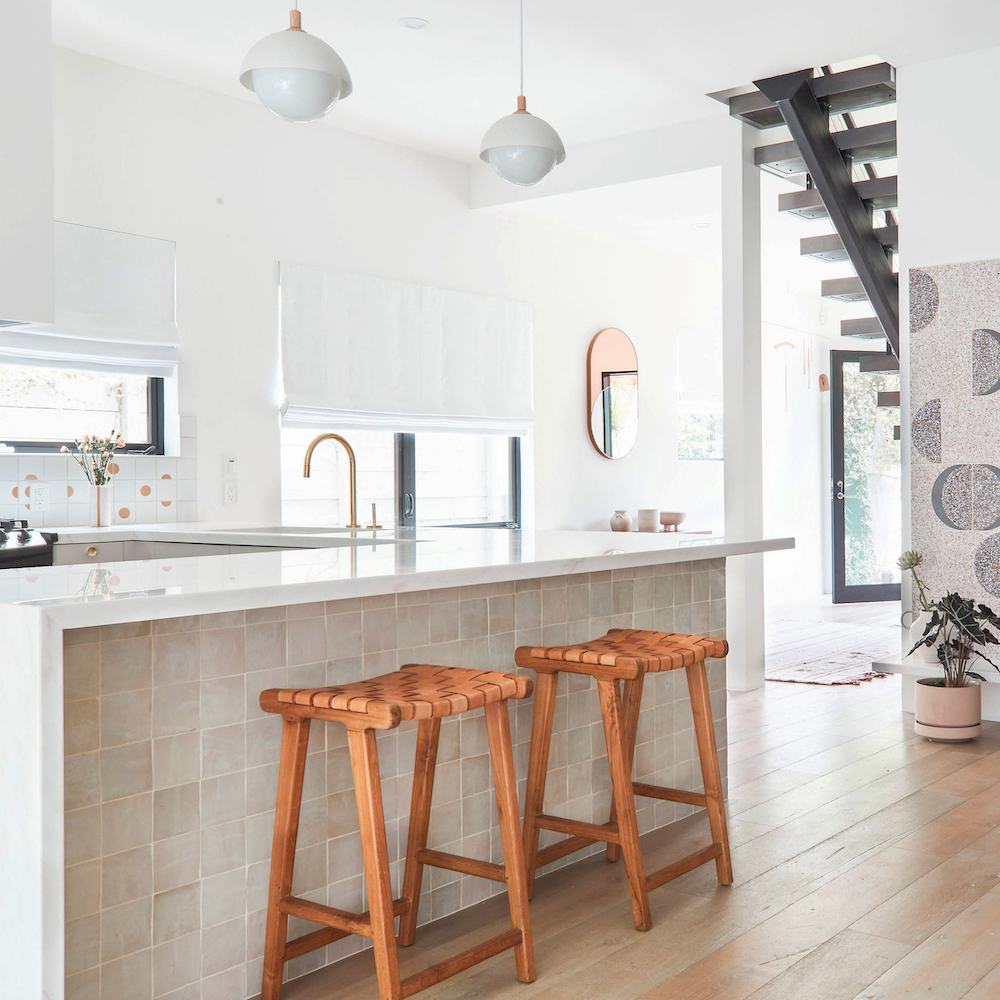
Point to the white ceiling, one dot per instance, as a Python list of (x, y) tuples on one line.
[(594, 70)]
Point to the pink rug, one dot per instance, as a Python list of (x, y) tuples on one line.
[(826, 652)]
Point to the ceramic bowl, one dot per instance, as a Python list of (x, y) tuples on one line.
[(671, 519)]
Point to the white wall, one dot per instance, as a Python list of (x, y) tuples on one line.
[(800, 328), (949, 149), (238, 190)]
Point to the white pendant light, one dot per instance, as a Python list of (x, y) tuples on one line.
[(296, 75), (521, 147)]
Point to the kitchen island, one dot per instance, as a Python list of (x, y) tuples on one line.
[(139, 774)]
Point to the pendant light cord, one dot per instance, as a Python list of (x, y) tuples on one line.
[(522, 49)]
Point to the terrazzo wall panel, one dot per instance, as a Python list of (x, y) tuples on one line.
[(955, 426)]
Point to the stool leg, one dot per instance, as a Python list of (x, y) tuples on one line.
[(294, 741), (631, 702), (538, 765), (428, 731), (505, 783), (368, 791), (704, 730), (624, 799)]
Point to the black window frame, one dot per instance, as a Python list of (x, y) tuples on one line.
[(155, 421), (406, 485)]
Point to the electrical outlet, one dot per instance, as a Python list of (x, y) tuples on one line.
[(229, 465), (230, 493), (39, 496)]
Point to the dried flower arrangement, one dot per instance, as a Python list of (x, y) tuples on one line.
[(94, 455)]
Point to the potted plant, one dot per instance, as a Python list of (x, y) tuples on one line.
[(949, 708)]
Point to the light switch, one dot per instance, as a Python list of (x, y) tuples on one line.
[(229, 465)]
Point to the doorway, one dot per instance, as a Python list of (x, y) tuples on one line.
[(867, 484)]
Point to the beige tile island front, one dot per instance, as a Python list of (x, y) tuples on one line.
[(135, 852)]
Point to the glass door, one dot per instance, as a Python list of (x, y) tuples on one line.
[(867, 486)]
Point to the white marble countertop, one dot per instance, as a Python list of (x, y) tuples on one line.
[(330, 565), (224, 533)]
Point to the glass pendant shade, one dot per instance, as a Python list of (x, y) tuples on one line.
[(522, 165), (297, 76), (522, 148)]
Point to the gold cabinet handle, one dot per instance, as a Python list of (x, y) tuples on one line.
[(92, 552)]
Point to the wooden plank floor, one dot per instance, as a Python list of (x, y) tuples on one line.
[(866, 865)]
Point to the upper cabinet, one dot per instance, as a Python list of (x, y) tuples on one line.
[(26, 164)]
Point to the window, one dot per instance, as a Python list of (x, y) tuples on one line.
[(699, 395), (42, 409), (427, 479), (324, 498), (458, 479)]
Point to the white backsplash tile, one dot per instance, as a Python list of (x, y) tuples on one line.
[(30, 466), (147, 489)]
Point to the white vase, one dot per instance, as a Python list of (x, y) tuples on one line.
[(101, 502), (621, 520), (928, 654), (649, 519)]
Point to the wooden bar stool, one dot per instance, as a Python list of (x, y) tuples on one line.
[(624, 655), (427, 694)]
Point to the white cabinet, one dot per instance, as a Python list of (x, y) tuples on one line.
[(73, 553), (26, 166), (177, 550), (68, 554), (139, 550)]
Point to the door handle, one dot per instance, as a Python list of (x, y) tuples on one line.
[(407, 504)]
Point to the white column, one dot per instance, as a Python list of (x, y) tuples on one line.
[(32, 913), (743, 483)]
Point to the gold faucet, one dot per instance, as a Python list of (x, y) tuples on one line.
[(353, 466)]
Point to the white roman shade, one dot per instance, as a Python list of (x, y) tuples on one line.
[(114, 307), (371, 353)]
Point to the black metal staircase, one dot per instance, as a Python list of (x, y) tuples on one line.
[(834, 160)]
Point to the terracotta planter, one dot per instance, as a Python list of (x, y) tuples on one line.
[(949, 715)]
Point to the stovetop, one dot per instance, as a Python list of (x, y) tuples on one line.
[(24, 546)]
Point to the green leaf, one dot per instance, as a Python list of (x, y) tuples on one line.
[(962, 614)]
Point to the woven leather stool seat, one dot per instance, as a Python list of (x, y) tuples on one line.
[(416, 691), (424, 693), (633, 650), (619, 662)]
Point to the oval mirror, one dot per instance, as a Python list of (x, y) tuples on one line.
[(613, 393)]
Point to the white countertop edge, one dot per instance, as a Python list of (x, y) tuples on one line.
[(896, 663), (160, 605)]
